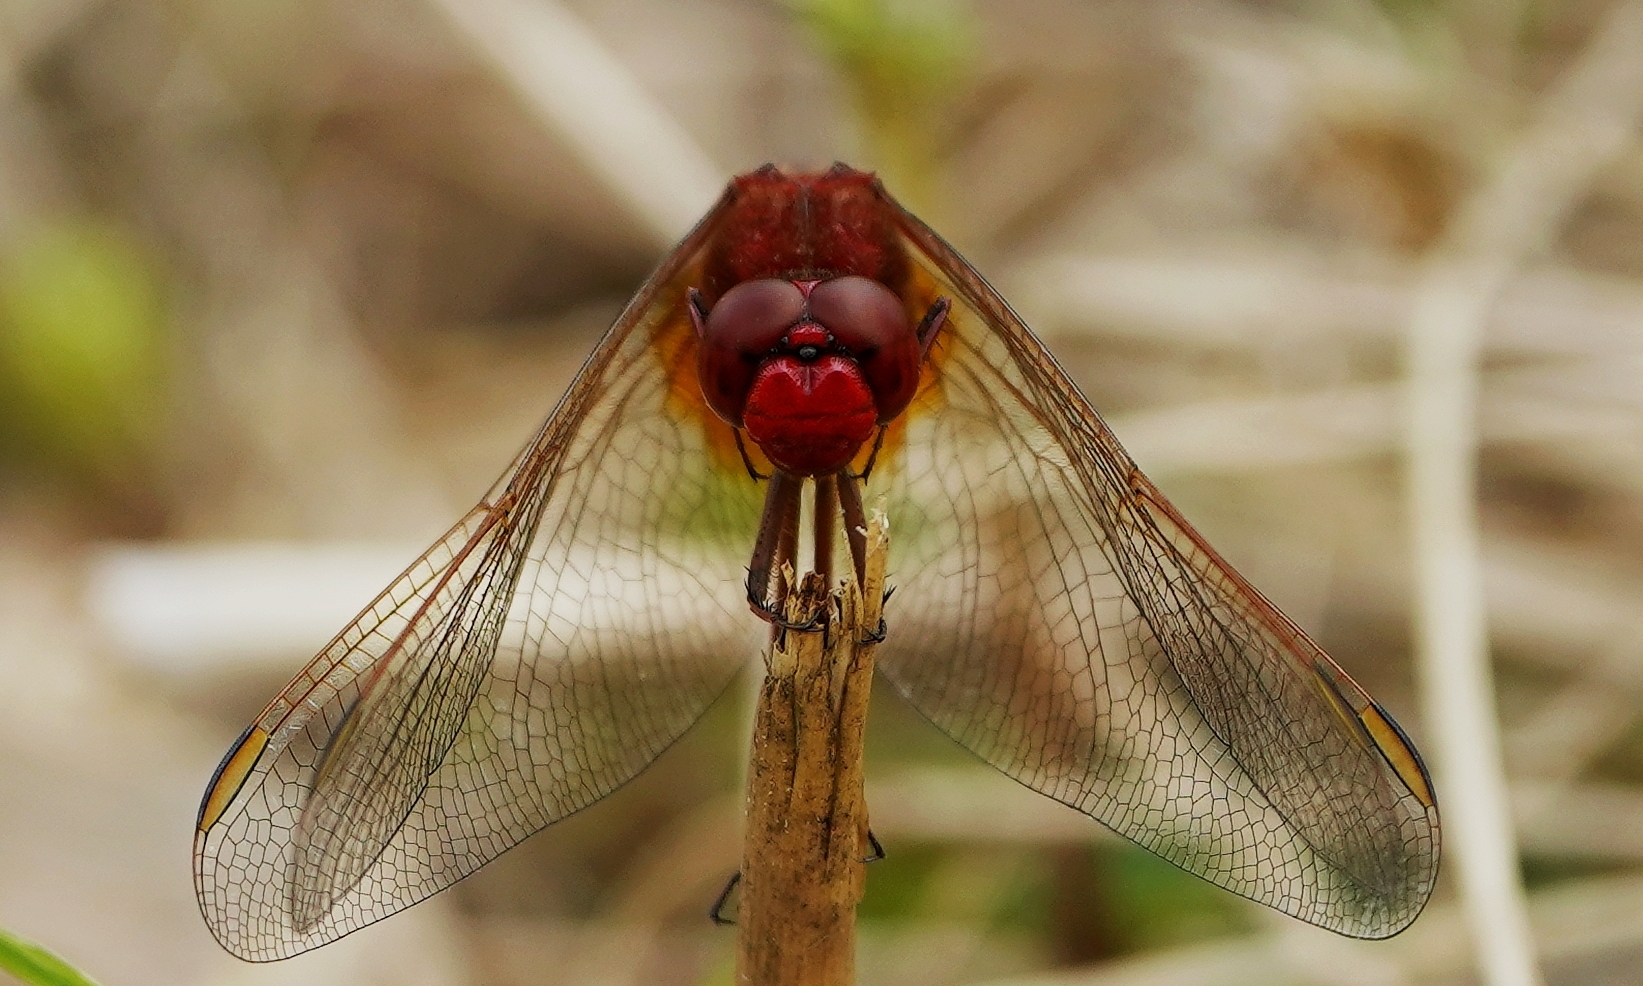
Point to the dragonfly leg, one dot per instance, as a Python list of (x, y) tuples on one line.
[(775, 551), (873, 456), (931, 325), (877, 847), (771, 613), (698, 311), (742, 448), (855, 522), (716, 913), (824, 520)]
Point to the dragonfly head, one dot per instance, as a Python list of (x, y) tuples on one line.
[(808, 366), (852, 317)]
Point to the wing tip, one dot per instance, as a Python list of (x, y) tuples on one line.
[(235, 769), (1399, 752)]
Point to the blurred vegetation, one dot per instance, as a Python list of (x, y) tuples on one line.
[(82, 355), (35, 965), (904, 62)]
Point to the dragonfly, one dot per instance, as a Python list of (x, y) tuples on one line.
[(810, 345)]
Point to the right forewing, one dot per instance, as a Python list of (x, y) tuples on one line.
[(1054, 614)]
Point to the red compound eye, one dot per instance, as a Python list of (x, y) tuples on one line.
[(743, 327), (868, 321)]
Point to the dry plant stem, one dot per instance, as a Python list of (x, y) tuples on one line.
[(573, 83), (1583, 122), (802, 870)]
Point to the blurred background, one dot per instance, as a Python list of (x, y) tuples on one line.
[(285, 283)]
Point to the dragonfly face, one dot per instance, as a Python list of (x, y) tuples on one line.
[(808, 367), (1053, 612)]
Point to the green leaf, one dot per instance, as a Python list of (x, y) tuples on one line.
[(37, 966), (81, 330)]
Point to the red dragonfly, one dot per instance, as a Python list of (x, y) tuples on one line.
[(1053, 612)]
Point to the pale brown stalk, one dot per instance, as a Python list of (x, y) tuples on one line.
[(802, 865)]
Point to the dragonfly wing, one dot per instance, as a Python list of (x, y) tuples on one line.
[(541, 654), (1056, 616)]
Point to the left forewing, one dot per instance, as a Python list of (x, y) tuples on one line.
[(561, 636)]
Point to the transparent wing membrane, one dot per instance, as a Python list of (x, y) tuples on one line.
[(1056, 616), (536, 658)]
